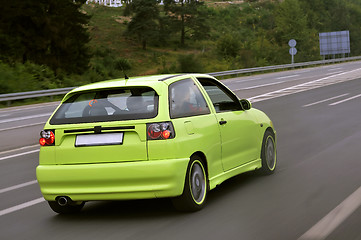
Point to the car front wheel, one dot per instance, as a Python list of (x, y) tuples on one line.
[(268, 153), (195, 187)]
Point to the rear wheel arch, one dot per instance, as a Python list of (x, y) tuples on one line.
[(196, 185), (202, 157)]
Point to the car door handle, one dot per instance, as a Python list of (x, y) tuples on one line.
[(222, 122)]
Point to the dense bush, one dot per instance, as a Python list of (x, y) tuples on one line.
[(31, 77), (228, 46), (122, 64), (26, 77), (189, 64)]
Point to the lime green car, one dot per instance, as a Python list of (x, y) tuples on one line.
[(174, 136)]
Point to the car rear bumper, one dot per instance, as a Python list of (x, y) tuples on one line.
[(113, 181)]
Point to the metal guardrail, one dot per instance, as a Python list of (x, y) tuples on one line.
[(33, 94), (52, 92), (285, 66)]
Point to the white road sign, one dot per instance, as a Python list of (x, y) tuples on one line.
[(293, 51), (292, 43)]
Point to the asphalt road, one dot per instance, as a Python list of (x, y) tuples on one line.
[(314, 194)]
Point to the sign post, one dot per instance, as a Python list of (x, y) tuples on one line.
[(292, 43)]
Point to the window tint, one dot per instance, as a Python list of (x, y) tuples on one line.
[(108, 105), (185, 99), (223, 100)]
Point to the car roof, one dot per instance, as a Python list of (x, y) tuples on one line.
[(121, 82), (151, 81)]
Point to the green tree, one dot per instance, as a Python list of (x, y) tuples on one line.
[(340, 15), (188, 18), (189, 64), (228, 46), (291, 23), (335, 15), (355, 27), (318, 17), (145, 19), (49, 32)]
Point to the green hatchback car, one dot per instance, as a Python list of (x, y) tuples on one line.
[(174, 136)]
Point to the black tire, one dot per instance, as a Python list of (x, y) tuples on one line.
[(268, 153), (67, 209), (195, 187)]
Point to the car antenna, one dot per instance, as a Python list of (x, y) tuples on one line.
[(126, 78), (125, 75)]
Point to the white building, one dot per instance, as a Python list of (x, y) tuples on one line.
[(108, 3)]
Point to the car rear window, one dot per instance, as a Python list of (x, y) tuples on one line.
[(108, 105)]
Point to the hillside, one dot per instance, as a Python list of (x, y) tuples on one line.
[(240, 34), (218, 36), (111, 43)]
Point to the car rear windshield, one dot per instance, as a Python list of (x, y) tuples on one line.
[(108, 105)]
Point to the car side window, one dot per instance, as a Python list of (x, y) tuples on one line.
[(185, 99), (223, 100)]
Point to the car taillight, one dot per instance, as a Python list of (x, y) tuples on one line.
[(47, 138), (158, 131)]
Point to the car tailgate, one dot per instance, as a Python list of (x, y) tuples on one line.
[(100, 144)]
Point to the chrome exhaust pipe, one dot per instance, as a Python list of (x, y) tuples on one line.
[(63, 201)]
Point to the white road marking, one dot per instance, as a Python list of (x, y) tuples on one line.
[(24, 118), (249, 79), (8, 189), (345, 100), (334, 72), (19, 149), (21, 206), (19, 154), (302, 87), (332, 69), (328, 99), (296, 79), (22, 126), (290, 76), (258, 86), (303, 71), (4, 115), (332, 220)]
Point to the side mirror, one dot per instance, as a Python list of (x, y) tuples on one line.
[(246, 105)]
